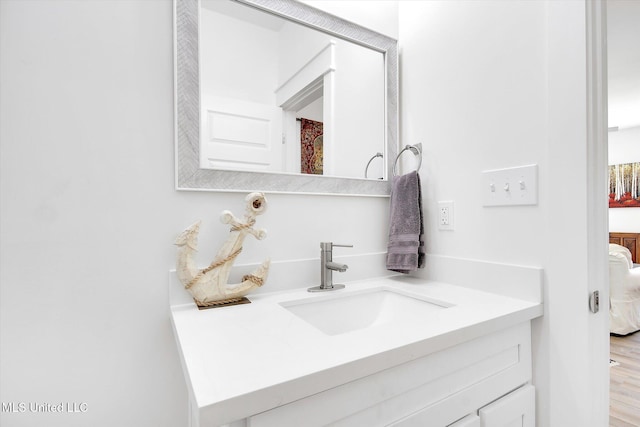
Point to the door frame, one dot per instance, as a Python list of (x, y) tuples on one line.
[(597, 206)]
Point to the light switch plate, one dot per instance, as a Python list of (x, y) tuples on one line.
[(510, 186)]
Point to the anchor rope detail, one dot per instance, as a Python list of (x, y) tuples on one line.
[(213, 265)]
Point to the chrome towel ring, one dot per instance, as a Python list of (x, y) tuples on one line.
[(415, 149), (366, 169)]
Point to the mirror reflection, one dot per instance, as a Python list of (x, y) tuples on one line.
[(277, 96)]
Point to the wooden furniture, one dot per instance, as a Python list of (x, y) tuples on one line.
[(629, 240)]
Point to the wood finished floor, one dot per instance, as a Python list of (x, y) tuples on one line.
[(624, 408)]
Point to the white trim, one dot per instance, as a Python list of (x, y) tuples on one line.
[(322, 63), (597, 209)]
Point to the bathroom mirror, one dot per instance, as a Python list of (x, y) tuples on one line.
[(224, 134)]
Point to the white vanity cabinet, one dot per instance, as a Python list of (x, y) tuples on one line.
[(469, 421), (481, 382), (467, 364), (517, 409)]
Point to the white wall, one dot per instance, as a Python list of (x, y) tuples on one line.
[(381, 16), (357, 99), (472, 116), (248, 64), (493, 84), (624, 147), (88, 214)]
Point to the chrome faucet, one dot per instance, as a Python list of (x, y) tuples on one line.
[(327, 267)]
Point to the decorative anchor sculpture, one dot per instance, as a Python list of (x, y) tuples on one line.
[(209, 286)]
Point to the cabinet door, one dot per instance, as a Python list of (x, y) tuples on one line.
[(468, 421), (516, 409)]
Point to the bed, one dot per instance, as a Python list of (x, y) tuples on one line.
[(630, 241), (624, 283)]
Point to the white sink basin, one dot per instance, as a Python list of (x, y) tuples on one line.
[(344, 312)]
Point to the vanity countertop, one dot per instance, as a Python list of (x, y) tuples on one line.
[(245, 359)]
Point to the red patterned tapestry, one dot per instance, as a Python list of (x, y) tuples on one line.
[(310, 147)]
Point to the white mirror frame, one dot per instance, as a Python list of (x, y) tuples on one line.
[(189, 175)]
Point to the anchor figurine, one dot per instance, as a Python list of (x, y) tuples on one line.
[(209, 286)]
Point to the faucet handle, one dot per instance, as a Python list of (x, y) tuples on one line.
[(327, 246), (343, 246)]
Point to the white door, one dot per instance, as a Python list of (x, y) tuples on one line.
[(240, 135)]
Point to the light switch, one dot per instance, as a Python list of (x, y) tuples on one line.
[(510, 186)]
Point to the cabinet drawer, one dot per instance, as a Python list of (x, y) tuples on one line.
[(516, 409), (436, 389), (468, 421)]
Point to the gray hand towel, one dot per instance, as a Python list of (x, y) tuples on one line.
[(405, 251)]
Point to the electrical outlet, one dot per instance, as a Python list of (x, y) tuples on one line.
[(445, 215)]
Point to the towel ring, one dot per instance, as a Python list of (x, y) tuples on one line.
[(415, 149), (366, 169)]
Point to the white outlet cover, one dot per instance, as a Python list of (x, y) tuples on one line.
[(510, 186), (449, 205)]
